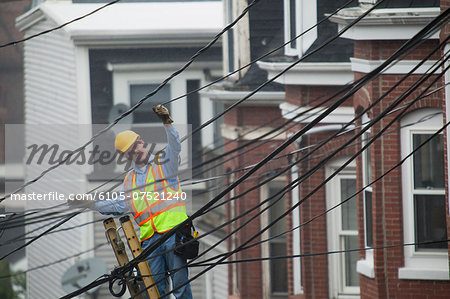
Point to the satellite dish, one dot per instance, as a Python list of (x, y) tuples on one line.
[(125, 123), (83, 273)]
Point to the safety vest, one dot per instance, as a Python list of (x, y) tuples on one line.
[(156, 207)]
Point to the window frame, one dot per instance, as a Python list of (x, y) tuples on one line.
[(305, 17), (296, 235), (136, 73), (429, 264), (265, 247), (366, 266), (335, 232)]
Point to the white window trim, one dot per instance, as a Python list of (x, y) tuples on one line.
[(447, 113), (264, 221), (296, 240), (305, 17), (426, 265), (366, 266), (126, 74), (336, 283)]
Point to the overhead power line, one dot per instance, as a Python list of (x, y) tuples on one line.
[(14, 43), (94, 136), (207, 85), (262, 162), (350, 197), (139, 103), (205, 263), (393, 57), (258, 259), (432, 26), (55, 262)]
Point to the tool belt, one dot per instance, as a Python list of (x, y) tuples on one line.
[(186, 244)]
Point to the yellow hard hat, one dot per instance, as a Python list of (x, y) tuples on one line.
[(124, 140)]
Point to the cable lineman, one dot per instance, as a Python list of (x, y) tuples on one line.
[(150, 206)]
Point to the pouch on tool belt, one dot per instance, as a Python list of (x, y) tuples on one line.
[(186, 249)]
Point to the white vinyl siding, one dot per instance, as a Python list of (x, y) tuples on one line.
[(51, 98)]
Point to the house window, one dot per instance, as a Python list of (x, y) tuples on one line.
[(342, 233), (274, 274), (299, 15), (133, 81), (365, 266), (293, 24), (277, 246), (144, 114), (428, 191), (423, 197), (367, 194)]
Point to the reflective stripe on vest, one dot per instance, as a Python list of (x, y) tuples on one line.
[(140, 218), (148, 210)]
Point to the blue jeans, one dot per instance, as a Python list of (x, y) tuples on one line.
[(162, 264)]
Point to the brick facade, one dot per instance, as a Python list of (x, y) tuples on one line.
[(249, 274), (387, 202), (445, 32), (387, 196)]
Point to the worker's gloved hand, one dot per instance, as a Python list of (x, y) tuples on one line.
[(163, 114), (81, 201)]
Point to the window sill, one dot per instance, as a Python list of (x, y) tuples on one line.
[(365, 267), (423, 274)]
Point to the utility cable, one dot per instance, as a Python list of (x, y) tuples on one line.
[(352, 196), (296, 162), (21, 238), (55, 262), (200, 264), (431, 25), (262, 56), (279, 149), (139, 103), (262, 175), (14, 43)]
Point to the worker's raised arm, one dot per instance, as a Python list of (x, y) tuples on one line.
[(170, 159)]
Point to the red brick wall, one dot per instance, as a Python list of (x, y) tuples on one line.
[(387, 196), (445, 31), (311, 95), (381, 50), (314, 235), (250, 274)]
